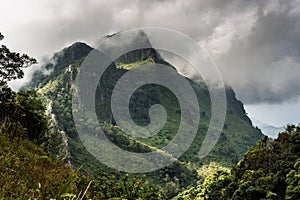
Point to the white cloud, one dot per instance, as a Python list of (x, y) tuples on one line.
[(234, 28)]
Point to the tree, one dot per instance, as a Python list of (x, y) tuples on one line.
[(22, 113), (293, 180), (11, 65), (269, 170)]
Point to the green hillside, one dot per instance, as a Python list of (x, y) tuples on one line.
[(55, 88), (28, 171)]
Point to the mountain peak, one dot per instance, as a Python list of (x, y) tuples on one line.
[(136, 39), (75, 51), (136, 45)]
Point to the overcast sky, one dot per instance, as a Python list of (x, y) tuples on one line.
[(256, 43)]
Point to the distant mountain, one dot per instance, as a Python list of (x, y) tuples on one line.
[(267, 129), (56, 88)]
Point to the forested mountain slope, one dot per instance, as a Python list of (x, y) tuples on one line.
[(55, 81)]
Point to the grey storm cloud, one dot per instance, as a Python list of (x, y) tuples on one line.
[(256, 44)]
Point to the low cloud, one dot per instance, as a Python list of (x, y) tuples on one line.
[(255, 43)]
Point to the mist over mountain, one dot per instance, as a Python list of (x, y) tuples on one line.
[(267, 129)]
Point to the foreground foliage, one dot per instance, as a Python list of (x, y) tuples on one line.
[(269, 170), (28, 172)]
